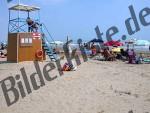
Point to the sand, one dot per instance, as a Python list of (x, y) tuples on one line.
[(95, 87)]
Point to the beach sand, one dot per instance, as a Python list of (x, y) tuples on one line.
[(95, 87)]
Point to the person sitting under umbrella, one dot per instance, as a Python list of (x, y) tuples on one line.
[(109, 56)]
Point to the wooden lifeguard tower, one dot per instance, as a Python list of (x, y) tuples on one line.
[(25, 41)]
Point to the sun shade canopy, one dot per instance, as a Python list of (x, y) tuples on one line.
[(21, 7), (97, 40)]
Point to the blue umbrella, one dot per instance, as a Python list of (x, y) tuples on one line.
[(97, 40)]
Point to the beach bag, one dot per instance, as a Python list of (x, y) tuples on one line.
[(66, 67), (146, 60), (94, 51)]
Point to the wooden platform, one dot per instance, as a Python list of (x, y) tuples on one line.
[(23, 47)]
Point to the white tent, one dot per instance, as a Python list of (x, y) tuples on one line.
[(57, 43)]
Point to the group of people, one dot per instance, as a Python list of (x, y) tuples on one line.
[(133, 58), (2, 48), (124, 55)]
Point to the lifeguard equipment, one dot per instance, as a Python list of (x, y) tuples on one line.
[(23, 43), (39, 53)]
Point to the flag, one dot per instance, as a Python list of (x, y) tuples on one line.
[(36, 35), (15, 1), (9, 1)]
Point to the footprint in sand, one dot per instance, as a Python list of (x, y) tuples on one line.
[(145, 75), (101, 111), (148, 100), (130, 111)]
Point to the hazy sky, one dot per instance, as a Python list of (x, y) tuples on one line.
[(78, 18)]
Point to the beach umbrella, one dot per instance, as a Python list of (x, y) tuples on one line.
[(142, 43), (113, 43), (116, 49), (131, 41), (97, 40)]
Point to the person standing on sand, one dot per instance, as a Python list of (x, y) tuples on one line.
[(2, 46), (68, 53), (131, 54)]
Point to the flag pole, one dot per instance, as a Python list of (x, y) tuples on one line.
[(18, 16)]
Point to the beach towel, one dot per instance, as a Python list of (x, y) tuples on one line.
[(68, 67), (146, 60), (88, 52)]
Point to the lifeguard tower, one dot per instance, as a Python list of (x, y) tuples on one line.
[(26, 38)]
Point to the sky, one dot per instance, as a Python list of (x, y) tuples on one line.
[(78, 18)]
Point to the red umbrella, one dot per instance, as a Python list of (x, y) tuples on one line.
[(113, 43)]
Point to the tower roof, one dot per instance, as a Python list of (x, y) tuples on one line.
[(21, 7)]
